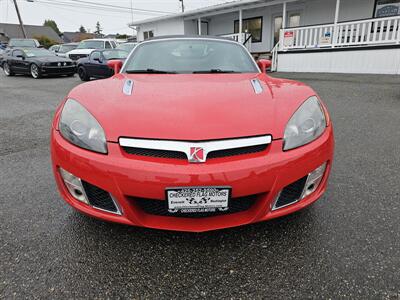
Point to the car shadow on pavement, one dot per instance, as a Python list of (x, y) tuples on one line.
[(120, 236)]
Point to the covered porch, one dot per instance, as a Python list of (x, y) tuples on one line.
[(247, 22), (288, 25), (379, 35)]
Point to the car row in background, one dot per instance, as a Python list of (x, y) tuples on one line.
[(24, 43), (36, 62), (95, 65), (39, 62), (86, 47), (63, 49)]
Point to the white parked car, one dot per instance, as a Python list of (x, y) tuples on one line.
[(86, 47)]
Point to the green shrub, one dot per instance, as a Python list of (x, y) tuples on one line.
[(45, 41)]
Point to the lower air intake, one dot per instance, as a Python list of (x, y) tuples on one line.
[(160, 207), (99, 198), (291, 193)]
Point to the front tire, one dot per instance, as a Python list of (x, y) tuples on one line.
[(83, 74), (7, 70), (35, 71)]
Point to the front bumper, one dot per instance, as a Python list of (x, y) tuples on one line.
[(126, 176)]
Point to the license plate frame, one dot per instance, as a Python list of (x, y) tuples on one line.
[(199, 199)]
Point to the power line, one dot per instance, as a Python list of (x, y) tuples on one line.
[(81, 6), (122, 7)]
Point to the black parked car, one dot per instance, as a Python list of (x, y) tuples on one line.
[(37, 62), (95, 65)]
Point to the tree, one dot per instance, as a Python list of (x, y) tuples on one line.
[(52, 24), (82, 29), (45, 41), (98, 28)]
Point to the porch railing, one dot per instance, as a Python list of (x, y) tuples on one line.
[(355, 33), (274, 55), (244, 38)]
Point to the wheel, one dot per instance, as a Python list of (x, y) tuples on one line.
[(35, 71), (82, 74), (7, 70)]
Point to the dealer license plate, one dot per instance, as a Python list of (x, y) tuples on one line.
[(198, 199)]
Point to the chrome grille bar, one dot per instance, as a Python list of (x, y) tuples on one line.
[(187, 147)]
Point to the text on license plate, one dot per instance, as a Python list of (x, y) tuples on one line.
[(198, 199)]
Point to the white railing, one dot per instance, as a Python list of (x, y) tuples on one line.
[(274, 53), (244, 38), (355, 33)]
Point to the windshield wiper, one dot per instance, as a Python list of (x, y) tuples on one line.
[(215, 71), (149, 71)]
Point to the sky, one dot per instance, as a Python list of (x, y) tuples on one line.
[(70, 14)]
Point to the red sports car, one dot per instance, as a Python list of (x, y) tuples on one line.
[(191, 134)]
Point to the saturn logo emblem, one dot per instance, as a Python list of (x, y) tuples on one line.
[(197, 155)]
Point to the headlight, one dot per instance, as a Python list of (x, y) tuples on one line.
[(80, 128), (307, 124)]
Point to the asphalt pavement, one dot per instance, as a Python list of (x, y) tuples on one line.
[(347, 245)]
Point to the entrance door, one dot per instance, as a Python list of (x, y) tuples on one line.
[(293, 21), (204, 28), (277, 27)]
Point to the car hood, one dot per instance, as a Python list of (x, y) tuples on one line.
[(193, 107), (51, 59), (81, 51)]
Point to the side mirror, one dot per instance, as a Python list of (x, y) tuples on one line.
[(97, 59), (21, 56), (115, 64), (264, 64)]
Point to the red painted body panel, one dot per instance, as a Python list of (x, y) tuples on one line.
[(191, 107)]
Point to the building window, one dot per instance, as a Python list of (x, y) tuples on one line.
[(148, 34), (277, 27), (386, 8), (253, 26), (294, 20)]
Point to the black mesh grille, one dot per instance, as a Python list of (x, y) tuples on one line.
[(291, 193), (237, 151), (99, 198), (181, 155), (77, 56), (155, 153), (160, 207)]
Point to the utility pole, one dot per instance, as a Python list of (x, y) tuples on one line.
[(20, 19), (182, 5)]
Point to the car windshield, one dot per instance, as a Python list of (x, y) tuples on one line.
[(190, 56), (38, 53), (127, 46), (91, 45), (66, 48), (115, 54), (22, 43)]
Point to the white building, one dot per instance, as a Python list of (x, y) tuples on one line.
[(349, 36)]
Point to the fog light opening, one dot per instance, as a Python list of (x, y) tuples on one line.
[(74, 186), (311, 187), (313, 181), (78, 192)]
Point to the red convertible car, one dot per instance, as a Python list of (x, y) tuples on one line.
[(191, 134)]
